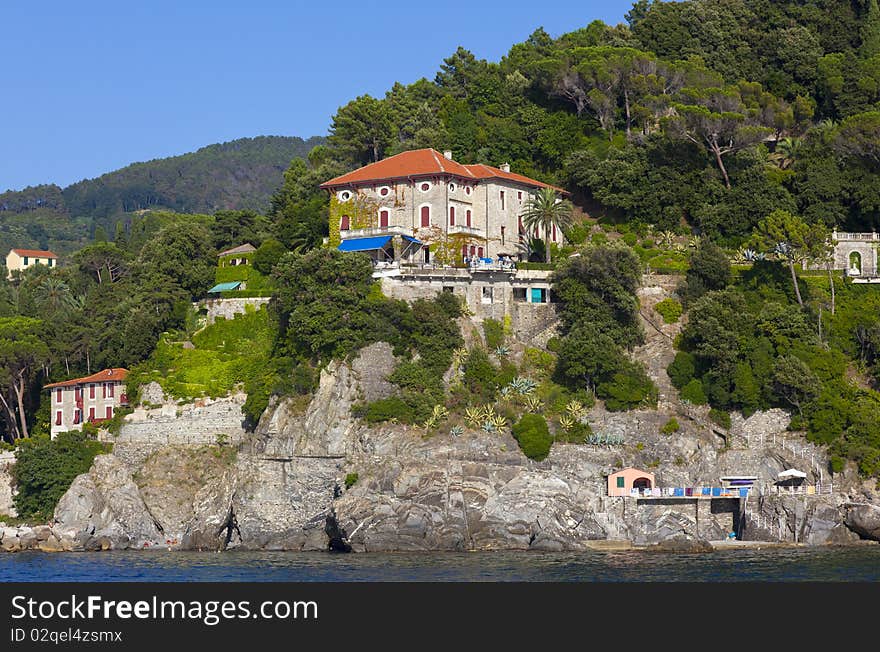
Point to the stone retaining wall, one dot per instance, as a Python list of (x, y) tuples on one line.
[(7, 460), (228, 308)]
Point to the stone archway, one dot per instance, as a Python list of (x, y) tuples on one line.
[(642, 483), (854, 263)]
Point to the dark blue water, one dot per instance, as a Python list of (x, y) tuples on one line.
[(857, 564)]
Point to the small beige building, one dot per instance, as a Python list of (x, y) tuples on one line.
[(91, 399), (624, 481), (239, 255), (22, 259)]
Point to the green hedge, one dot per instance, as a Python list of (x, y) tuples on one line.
[(545, 266), (533, 436), (669, 309)]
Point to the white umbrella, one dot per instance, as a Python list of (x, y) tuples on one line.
[(791, 473)]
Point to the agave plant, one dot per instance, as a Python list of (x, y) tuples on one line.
[(456, 431), (473, 416), (459, 355), (667, 238), (440, 412), (523, 386), (487, 412), (502, 351), (566, 422), (534, 404), (498, 421), (505, 392), (693, 242), (576, 410), (679, 248), (488, 426)]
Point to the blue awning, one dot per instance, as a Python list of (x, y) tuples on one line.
[(409, 239), (364, 244), (224, 287)]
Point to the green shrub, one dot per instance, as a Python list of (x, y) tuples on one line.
[(599, 238), (578, 433), (350, 480), (630, 239), (681, 369), (670, 427), (693, 393), (386, 409), (669, 309), (720, 417), (494, 331), (480, 376), (628, 389), (837, 463), (533, 436), (45, 468)]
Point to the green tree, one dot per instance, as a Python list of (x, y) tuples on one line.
[(23, 352), (870, 31), (788, 236), (533, 436), (362, 130), (183, 254), (267, 256), (709, 270), (546, 210), (795, 381)]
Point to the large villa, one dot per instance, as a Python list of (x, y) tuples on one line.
[(421, 205)]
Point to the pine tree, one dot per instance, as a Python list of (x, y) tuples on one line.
[(871, 31)]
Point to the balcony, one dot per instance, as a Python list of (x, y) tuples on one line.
[(374, 231), (466, 230)]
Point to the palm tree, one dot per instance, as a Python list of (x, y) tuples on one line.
[(786, 151), (545, 210)]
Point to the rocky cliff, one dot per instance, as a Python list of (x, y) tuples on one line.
[(282, 487)]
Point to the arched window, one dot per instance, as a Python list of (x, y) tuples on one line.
[(479, 252), (426, 216), (452, 216), (344, 223), (383, 219), (463, 252), (473, 250), (467, 216)]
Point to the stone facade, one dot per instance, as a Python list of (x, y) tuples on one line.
[(855, 254), (91, 399), (7, 460), (456, 208), (228, 308), (522, 296)]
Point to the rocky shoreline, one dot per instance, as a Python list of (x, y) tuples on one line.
[(283, 486)]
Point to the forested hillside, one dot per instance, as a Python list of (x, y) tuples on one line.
[(240, 174)]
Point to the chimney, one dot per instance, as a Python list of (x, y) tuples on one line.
[(448, 154), (505, 167)]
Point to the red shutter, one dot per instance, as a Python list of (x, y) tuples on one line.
[(473, 250), (519, 195), (468, 216), (112, 387), (426, 216), (383, 219), (91, 414), (92, 391), (109, 412), (463, 252), (103, 390), (452, 216), (76, 416), (77, 394), (345, 223), (480, 252), (58, 418), (58, 395)]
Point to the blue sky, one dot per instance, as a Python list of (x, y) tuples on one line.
[(91, 86)]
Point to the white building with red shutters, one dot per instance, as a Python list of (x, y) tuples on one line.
[(91, 399), (423, 198)]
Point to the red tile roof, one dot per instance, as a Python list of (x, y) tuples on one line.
[(104, 376), (426, 162), (35, 253)]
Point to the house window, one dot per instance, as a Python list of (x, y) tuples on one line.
[(110, 392), (108, 414), (539, 295), (91, 390), (424, 186), (103, 390), (519, 195), (502, 199), (447, 289), (77, 417), (49, 262), (25, 260), (451, 187), (77, 394), (479, 252), (519, 223), (427, 254), (58, 395), (467, 190), (383, 219), (452, 216), (467, 216), (502, 235), (473, 250), (345, 195), (463, 252), (487, 295), (426, 216), (58, 418), (554, 233), (384, 190), (91, 414), (345, 223), (519, 294), (621, 482)]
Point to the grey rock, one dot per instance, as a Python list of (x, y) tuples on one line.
[(864, 520)]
